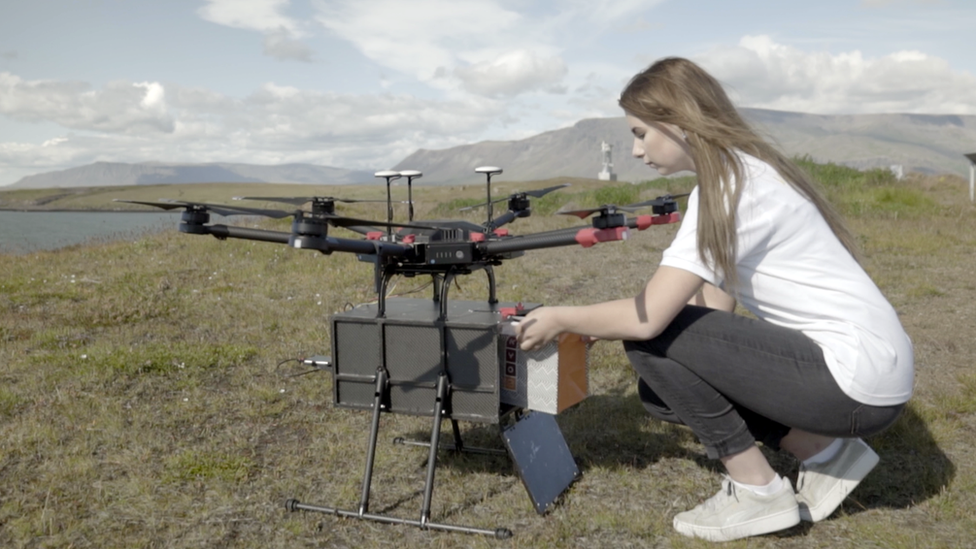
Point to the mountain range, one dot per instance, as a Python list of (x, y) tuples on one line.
[(105, 174), (917, 142)]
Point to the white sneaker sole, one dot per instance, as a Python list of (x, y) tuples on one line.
[(828, 504), (763, 525)]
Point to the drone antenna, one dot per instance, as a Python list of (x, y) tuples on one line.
[(389, 175), (410, 175), (488, 171)]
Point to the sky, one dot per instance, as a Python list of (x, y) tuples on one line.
[(361, 84)]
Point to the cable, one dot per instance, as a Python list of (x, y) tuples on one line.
[(299, 361)]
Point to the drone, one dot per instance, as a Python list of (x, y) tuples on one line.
[(436, 357)]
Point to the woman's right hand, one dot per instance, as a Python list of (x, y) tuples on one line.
[(539, 327)]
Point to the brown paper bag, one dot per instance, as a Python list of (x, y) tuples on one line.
[(548, 380)]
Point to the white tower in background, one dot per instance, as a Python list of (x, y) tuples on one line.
[(972, 176), (898, 171), (606, 174)]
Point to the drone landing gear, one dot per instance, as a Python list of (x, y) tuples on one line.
[(457, 446), (533, 442), (424, 521), (538, 450)]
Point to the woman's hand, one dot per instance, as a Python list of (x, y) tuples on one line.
[(637, 319), (539, 327)]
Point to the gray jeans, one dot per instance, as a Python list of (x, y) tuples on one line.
[(734, 380)]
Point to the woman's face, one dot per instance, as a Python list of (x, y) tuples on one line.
[(661, 146)]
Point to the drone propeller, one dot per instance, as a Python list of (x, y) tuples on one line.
[(610, 209), (299, 200), (201, 206), (538, 193), (659, 201), (331, 218), (606, 209)]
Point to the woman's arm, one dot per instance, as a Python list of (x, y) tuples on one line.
[(714, 298), (639, 318)]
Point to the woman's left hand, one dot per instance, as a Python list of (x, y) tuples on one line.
[(539, 327)]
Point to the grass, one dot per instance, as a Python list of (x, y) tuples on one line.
[(149, 394)]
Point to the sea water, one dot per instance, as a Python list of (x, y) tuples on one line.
[(25, 232)]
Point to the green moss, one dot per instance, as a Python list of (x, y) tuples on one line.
[(902, 200), (965, 401), (925, 290), (9, 401), (193, 465), (450, 208), (619, 195), (551, 203), (154, 358), (669, 185)]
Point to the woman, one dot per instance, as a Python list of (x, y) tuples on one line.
[(826, 360)]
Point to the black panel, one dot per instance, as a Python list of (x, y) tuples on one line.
[(356, 347), (413, 353), (410, 341), (541, 457), (352, 394)]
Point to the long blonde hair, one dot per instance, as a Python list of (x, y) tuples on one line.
[(679, 92)]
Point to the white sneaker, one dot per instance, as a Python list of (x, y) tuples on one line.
[(822, 487), (738, 513)]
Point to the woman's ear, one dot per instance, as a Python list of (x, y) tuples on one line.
[(672, 131)]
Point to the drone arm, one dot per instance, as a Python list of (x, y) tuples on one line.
[(366, 247), (639, 222), (507, 217), (330, 244), (642, 222), (226, 231), (586, 237)]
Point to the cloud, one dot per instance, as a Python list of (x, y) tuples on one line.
[(257, 15), (608, 12), (472, 68), (886, 3), (280, 45), (420, 36), (281, 33), (591, 99), (9, 55), (120, 107), (640, 25), (765, 74), (493, 48), (512, 73), (140, 121)]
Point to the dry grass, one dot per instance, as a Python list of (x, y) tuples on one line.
[(142, 403)]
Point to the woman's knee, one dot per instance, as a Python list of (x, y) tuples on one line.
[(871, 420)]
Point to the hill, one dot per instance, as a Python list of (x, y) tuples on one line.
[(920, 143), (151, 173)]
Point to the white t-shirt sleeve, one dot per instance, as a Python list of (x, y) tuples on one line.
[(683, 251), (753, 232)]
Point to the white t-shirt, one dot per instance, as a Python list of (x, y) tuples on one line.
[(794, 272)]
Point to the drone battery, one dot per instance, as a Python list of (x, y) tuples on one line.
[(549, 379), (414, 345), (449, 253)]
